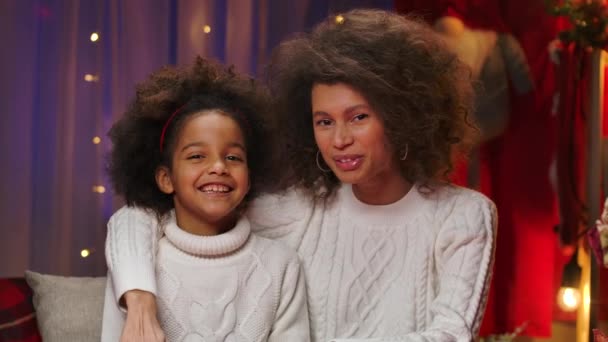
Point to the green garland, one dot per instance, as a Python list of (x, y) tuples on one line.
[(589, 22)]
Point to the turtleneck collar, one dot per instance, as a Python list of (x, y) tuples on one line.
[(208, 246)]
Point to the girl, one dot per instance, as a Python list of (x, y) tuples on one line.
[(191, 149), (371, 108)]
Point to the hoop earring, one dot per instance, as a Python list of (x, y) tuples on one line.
[(407, 149), (319, 164)]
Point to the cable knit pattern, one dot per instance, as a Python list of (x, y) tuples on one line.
[(132, 250), (414, 270), (229, 287)]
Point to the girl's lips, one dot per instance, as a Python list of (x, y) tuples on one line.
[(348, 162), (215, 189)]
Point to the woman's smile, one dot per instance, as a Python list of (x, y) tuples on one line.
[(348, 162)]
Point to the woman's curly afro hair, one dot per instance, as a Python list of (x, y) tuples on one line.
[(423, 93), (136, 152)]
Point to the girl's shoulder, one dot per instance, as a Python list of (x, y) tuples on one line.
[(274, 251), (281, 208), (286, 216)]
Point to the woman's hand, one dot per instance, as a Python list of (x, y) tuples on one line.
[(141, 324)]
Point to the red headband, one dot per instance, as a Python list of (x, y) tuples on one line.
[(166, 126), (164, 131)]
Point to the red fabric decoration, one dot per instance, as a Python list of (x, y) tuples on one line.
[(17, 316), (573, 88), (598, 336), (603, 301)]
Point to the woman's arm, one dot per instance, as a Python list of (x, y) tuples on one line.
[(133, 234), (138, 324), (285, 216), (141, 323), (291, 322), (464, 253)]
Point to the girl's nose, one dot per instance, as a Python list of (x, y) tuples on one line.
[(218, 167)]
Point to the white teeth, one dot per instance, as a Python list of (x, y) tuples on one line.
[(215, 188)]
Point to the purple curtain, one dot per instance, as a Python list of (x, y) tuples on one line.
[(51, 170)]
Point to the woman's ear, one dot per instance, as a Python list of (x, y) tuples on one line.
[(163, 180)]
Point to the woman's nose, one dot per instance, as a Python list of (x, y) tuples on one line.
[(342, 137)]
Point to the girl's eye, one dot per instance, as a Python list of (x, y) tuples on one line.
[(323, 122), (234, 158), (196, 156), (360, 117)]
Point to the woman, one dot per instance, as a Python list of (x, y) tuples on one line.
[(372, 109)]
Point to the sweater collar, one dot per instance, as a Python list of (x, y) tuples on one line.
[(368, 214), (208, 246)]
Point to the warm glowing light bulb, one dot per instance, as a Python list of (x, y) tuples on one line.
[(85, 253), (206, 28), (568, 298), (96, 140), (99, 189), (339, 19), (90, 78), (94, 36)]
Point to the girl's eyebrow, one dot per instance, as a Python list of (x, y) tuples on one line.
[(203, 144), (193, 144), (238, 145)]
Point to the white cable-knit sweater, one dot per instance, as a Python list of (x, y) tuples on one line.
[(230, 287), (414, 270)]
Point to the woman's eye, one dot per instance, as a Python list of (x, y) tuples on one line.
[(323, 122), (360, 117)]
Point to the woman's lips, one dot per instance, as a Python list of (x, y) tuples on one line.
[(348, 162)]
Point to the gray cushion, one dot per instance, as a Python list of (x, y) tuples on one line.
[(68, 308)]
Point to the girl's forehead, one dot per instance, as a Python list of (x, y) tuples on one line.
[(210, 127), (211, 119)]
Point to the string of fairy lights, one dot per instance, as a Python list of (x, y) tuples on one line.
[(98, 188)]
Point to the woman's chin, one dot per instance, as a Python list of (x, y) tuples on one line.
[(349, 177)]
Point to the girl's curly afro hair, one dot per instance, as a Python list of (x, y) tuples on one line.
[(136, 152)]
